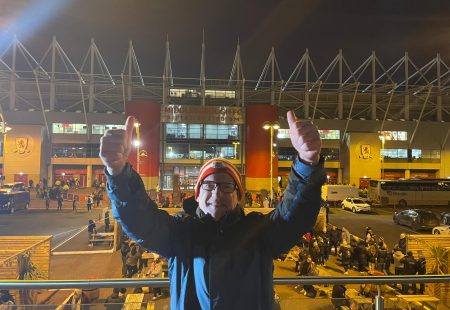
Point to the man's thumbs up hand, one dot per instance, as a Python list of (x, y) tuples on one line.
[(115, 146), (305, 138)]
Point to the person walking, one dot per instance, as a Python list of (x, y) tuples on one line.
[(209, 249), (74, 205), (89, 202), (47, 202), (60, 202)]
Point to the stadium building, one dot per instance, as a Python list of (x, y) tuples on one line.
[(376, 120)]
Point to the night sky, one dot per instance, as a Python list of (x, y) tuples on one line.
[(389, 27)]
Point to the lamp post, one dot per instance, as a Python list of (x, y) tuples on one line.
[(137, 144), (235, 144), (383, 139), (272, 126)]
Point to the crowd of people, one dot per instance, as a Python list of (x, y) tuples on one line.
[(369, 254)]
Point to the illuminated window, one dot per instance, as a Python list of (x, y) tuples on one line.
[(195, 131), (324, 134), (99, 129), (329, 134), (395, 135), (222, 132), (75, 150), (176, 131), (394, 153), (211, 93), (283, 133), (184, 92), (69, 128), (425, 154)]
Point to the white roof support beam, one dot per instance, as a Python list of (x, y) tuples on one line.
[(237, 76), (94, 57), (413, 135), (350, 112), (131, 62), (237, 71), (373, 110), (57, 53), (167, 74), (271, 64), (439, 95)]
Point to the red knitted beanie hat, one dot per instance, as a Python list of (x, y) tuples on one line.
[(218, 165)]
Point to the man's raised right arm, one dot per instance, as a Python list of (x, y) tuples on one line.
[(135, 211)]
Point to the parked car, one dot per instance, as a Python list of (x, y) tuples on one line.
[(417, 219), (444, 225), (13, 197), (355, 205)]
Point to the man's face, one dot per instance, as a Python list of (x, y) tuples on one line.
[(216, 202)]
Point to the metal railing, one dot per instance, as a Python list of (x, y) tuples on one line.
[(164, 282)]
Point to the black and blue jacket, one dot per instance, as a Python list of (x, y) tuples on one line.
[(226, 264)]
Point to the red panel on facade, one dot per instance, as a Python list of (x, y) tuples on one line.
[(148, 114), (258, 140)]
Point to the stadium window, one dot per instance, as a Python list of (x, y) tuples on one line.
[(222, 132), (100, 129), (395, 135), (177, 151), (176, 131), (69, 128), (183, 92), (195, 131), (218, 94), (326, 134), (394, 153), (330, 134)]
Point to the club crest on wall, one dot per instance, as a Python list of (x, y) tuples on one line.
[(365, 151), (22, 145)]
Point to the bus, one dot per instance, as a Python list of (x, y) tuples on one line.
[(410, 192)]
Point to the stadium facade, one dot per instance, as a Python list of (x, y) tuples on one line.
[(376, 120)]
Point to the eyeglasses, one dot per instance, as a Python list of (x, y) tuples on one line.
[(224, 187)]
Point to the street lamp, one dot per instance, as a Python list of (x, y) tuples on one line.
[(272, 126), (383, 139), (137, 144), (235, 144)]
